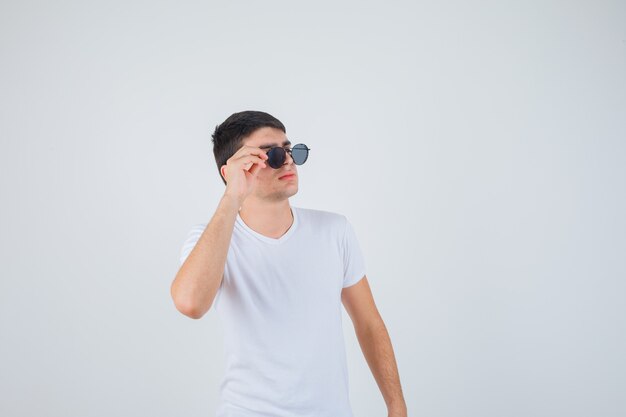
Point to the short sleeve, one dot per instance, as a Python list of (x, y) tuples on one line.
[(353, 261), (190, 241)]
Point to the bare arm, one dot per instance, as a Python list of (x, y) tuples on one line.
[(200, 276), (378, 352), (375, 344)]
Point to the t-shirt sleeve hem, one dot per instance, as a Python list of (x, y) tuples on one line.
[(354, 280)]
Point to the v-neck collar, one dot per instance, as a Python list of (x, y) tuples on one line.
[(284, 237)]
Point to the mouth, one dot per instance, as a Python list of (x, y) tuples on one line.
[(287, 176)]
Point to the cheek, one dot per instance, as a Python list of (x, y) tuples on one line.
[(266, 173)]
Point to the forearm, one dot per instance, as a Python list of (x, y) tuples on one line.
[(378, 351), (200, 276)]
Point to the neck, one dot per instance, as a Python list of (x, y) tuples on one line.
[(270, 218)]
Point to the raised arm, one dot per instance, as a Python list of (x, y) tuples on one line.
[(199, 277)]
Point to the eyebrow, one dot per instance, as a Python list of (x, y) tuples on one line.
[(269, 145)]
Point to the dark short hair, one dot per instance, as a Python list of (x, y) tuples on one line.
[(229, 136)]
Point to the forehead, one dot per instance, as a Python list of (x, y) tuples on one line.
[(269, 136)]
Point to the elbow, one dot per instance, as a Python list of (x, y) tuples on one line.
[(188, 307), (190, 310)]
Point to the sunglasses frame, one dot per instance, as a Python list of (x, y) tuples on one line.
[(290, 153)]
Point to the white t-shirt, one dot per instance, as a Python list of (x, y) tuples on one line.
[(280, 308)]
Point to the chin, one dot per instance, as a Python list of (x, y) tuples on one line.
[(289, 193), (282, 194)]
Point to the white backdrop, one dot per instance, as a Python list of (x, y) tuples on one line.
[(477, 147)]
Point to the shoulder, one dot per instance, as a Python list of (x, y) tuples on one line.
[(196, 230), (198, 226), (324, 218)]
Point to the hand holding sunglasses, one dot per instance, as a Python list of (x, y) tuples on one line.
[(277, 155)]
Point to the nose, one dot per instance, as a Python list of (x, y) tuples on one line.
[(288, 158)]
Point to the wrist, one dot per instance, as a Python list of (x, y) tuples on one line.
[(397, 411), (232, 200)]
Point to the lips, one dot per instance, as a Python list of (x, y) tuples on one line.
[(291, 174)]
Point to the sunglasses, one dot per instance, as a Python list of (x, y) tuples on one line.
[(277, 155)]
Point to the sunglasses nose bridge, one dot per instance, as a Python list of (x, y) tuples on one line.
[(288, 157)]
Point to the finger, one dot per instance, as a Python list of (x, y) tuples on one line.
[(248, 166), (250, 159), (255, 169), (250, 150)]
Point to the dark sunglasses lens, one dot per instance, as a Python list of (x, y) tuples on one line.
[(276, 157), (299, 153)]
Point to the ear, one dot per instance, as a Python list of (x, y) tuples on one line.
[(223, 172)]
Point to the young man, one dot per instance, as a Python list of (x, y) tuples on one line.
[(277, 275)]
